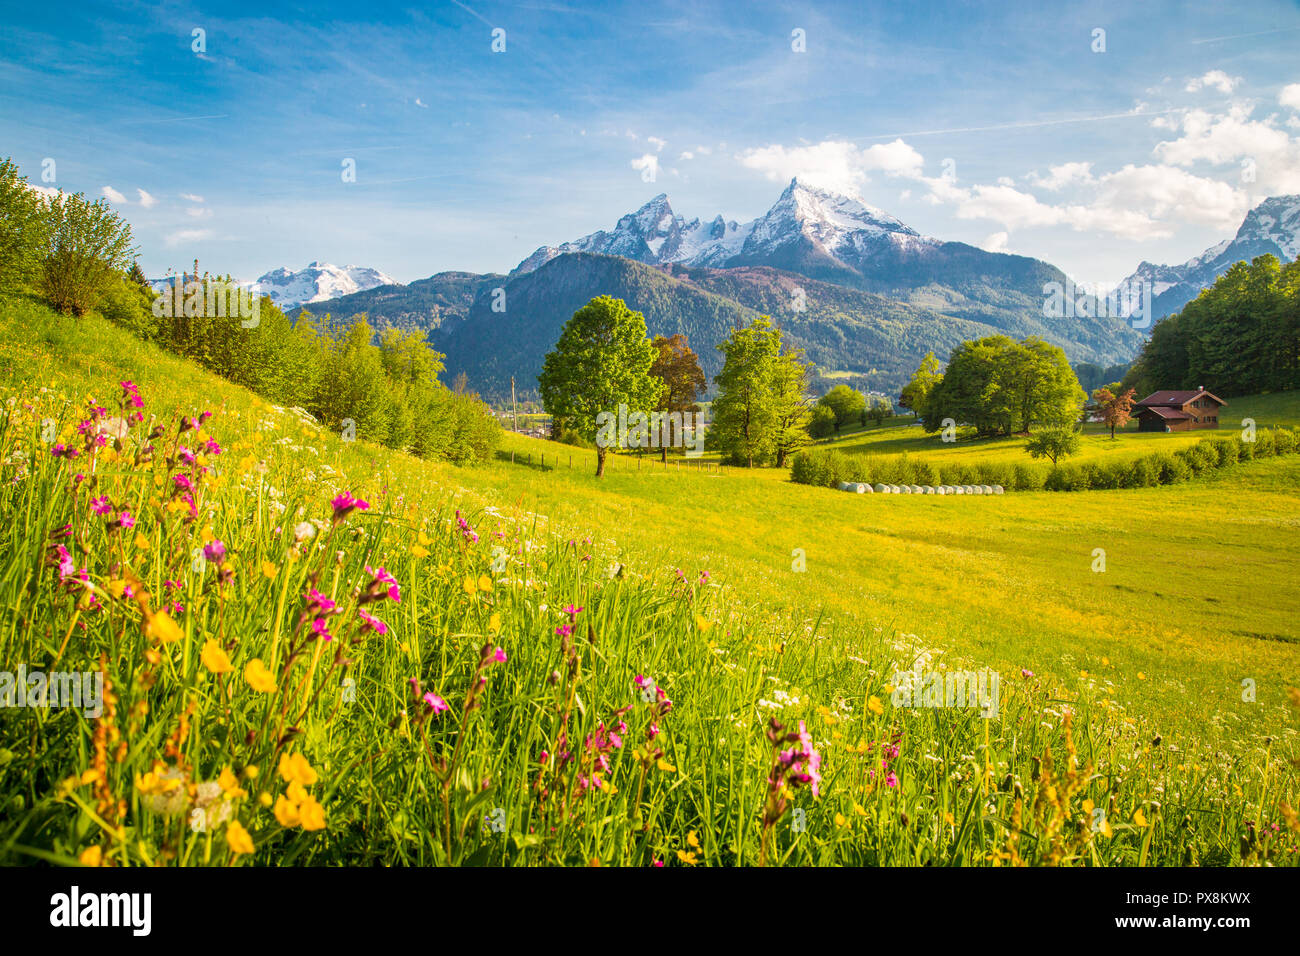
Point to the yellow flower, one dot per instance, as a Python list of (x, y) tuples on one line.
[(238, 839), (141, 542), (494, 622), (286, 813), (703, 624), (424, 539), (665, 766), (419, 551), (215, 659), (875, 706), (89, 776), (687, 858), (312, 814), (268, 569), (91, 856), (264, 798), (841, 820), (258, 677), (1141, 676), (230, 784), (161, 626), (468, 586), (692, 840), (295, 768), (948, 818), (1139, 819)]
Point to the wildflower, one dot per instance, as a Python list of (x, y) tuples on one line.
[(161, 626), (182, 483), (214, 551), (563, 630), (466, 532), (704, 624), (383, 585), (215, 659), (1139, 818), (875, 706), (419, 551), (571, 610), (229, 784), (294, 768), (371, 623), (499, 656), (125, 521), (258, 677), (311, 814), (91, 856), (101, 505), (1026, 674), (268, 570), (494, 622), (286, 813), (484, 583), (436, 703), (238, 839), (344, 504)]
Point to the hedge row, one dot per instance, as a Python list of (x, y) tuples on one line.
[(828, 467)]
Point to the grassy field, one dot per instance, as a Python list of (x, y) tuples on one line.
[(742, 597)]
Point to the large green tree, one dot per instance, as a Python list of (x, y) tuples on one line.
[(847, 404), (916, 392), (24, 229), (602, 360), (89, 246), (1001, 386)]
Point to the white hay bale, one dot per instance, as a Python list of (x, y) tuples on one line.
[(882, 489), (845, 486), (988, 489), (959, 490), (917, 490), (864, 489), (941, 490), (997, 489), (977, 489)]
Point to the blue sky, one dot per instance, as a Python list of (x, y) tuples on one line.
[(470, 159)]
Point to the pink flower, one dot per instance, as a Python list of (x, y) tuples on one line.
[(436, 703), (125, 521), (371, 623), (345, 504), (101, 505), (571, 610), (564, 630), (214, 551), (499, 656)]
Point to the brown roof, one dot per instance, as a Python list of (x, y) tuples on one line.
[(1169, 414), (1176, 399)]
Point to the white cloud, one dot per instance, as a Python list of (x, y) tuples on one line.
[(198, 212), (1066, 174), (113, 196), (1216, 78), (834, 164), (1290, 96), (657, 143), (147, 201), (186, 235), (997, 242), (703, 150), (191, 197), (647, 162), (687, 155), (1232, 138), (421, 104)]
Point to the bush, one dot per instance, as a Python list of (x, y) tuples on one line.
[(926, 473), (1028, 477), (1144, 473), (1172, 468), (1284, 440), (1245, 449), (1265, 443), (1112, 474), (996, 473), (1068, 478), (1225, 452), (88, 245)]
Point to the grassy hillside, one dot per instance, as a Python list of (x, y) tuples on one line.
[(1119, 691)]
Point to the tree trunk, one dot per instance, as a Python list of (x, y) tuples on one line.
[(600, 461), (663, 454)]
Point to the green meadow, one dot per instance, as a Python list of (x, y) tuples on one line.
[(1158, 689)]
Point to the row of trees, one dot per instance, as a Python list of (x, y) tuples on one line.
[(998, 385), (844, 405), (604, 360), (1240, 336), (77, 255)]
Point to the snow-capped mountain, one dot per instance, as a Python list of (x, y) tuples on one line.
[(317, 282), (805, 221), (1271, 227)]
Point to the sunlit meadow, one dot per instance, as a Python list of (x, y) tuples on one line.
[(321, 652)]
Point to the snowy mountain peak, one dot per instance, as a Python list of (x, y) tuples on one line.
[(317, 282), (655, 235), (1272, 227)]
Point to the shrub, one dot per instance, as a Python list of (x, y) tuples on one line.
[(1112, 474), (1028, 477), (1068, 478), (1225, 452), (1145, 472), (1284, 440), (1265, 443), (995, 473), (88, 245), (1172, 468), (1245, 449), (926, 473)]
